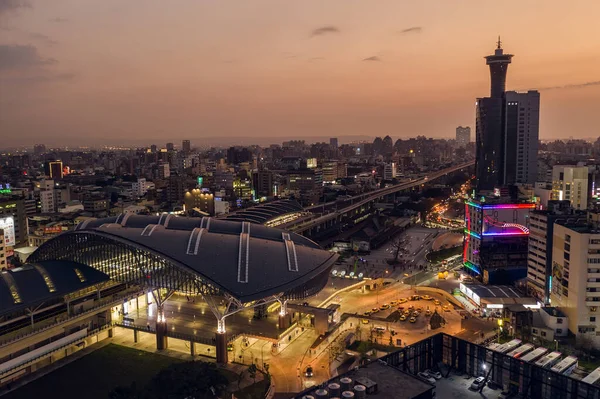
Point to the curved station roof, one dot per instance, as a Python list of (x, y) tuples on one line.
[(263, 213), (35, 283), (247, 261)]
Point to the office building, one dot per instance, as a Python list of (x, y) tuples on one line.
[(39, 149), (309, 184), (463, 136), (571, 183), (164, 170), (541, 234), (176, 189), (333, 142), (96, 204), (186, 146), (522, 127), (495, 247), (330, 171), (199, 200), (54, 169), (507, 131), (242, 189), (389, 171), (170, 147), (13, 220), (262, 182), (575, 279)]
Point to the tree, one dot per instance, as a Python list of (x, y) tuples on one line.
[(188, 380), (124, 393), (252, 371)]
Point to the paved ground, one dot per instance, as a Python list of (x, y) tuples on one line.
[(457, 387)]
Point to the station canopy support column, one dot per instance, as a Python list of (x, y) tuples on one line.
[(232, 306), (160, 297), (284, 316)]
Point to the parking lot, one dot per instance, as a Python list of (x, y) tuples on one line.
[(457, 387)]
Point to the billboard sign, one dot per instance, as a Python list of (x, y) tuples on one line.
[(8, 225)]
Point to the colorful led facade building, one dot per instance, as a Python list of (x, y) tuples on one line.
[(496, 239)]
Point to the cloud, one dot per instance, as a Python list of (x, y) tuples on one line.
[(17, 57), (373, 58), (324, 30), (58, 20), (13, 5), (42, 38), (412, 29), (43, 78), (570, 86)]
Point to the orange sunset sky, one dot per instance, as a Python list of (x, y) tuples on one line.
[(113, 71)]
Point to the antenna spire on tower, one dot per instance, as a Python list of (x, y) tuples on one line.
[(499, 42)]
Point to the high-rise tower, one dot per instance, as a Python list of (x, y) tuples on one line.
[(498, 67), (507, 130)]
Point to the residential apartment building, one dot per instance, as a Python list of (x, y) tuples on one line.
[(571, 183), (541, 230), (575, 279)]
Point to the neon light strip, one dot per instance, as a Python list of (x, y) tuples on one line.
[(516, 233), (502, 206), (472, 233), (472, 266)]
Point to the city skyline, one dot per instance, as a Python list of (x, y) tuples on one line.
[(115, 73)]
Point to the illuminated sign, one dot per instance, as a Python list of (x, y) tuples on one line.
[(200, 180), (8, 225)]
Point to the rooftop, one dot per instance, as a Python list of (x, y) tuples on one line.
[(392, 383), (554, 312), (248, 261)]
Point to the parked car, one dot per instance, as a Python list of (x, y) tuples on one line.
[(308, 372), (478, 383), (413, 320), (402, 318), (426, 377), (435, 374), (385, 306), (427, 297), (436, 302), (374, 310)]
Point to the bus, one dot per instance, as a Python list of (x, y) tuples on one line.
[(493, 346), (520, 351), (535, 354), (592, 377), (509, 346), (566, 365), (549, 360)]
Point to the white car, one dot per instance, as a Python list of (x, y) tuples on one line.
[(435, 374), (478, 383), (427, 378)]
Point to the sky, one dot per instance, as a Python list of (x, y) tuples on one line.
[(79, 72)]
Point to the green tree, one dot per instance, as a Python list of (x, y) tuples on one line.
[(197, 380)]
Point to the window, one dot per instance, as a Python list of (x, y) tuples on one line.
[(559, 321), (567, 256), (543, 333), (567, 237), (559, 330), (593, 319)]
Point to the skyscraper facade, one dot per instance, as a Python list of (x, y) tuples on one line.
[(507, 131), (186, 146), (522, 130), (463, 136)]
